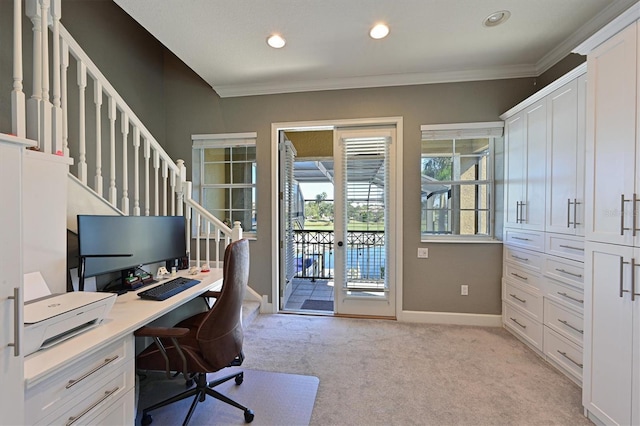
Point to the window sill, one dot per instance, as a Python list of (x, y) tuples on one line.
[(461, 240)]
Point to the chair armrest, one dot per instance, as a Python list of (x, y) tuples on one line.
[(162, 332)]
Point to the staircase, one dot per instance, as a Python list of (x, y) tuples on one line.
[(118, 167)]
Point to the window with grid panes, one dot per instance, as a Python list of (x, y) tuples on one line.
[(456, 170), (224, 177)]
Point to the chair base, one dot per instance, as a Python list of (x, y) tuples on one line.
[(199, 393)]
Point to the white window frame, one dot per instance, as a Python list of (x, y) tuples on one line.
[(200, 142), (458, 131)]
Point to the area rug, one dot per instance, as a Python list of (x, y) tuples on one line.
[(275, 398), (317, 305)]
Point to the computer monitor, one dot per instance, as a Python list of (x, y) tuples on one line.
[(117, 243)]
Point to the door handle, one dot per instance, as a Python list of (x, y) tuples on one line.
[(17, 304)]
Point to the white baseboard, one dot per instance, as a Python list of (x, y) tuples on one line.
[(484, 320), (265, 306)]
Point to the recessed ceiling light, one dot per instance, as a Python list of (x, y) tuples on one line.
[(379, 31), (496, 18), (276, 41)]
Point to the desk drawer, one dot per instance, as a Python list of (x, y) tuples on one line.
[(526, 258), (565, 246), (523, 325), (522, 276), (564, 321), (524, 239), (76, 381), (563, 353), (529, 301), (565, 270)]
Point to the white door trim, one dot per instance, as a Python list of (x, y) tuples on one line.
[(398, 187)]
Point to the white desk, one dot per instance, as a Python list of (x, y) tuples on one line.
[(100, 361)]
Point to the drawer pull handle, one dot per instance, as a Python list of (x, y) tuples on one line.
[(524, 259), (106, 362), (571, 247), (106, 395), (569, 273), (517, 298), (561, 293), (521, 238), (516, 321), (564, 354), (519, 276), (571, 326)]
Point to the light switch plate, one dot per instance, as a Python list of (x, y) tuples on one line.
[(423, 253)]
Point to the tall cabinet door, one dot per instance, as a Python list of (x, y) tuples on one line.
[(514, 152), (562, 152), (533, 211), (608, 337), (611, 139), (11, 360)]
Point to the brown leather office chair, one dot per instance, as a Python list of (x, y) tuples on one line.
[(206, 342)]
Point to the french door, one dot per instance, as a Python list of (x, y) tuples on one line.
[(364, 220)]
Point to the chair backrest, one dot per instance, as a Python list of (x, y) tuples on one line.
[(220, 334)]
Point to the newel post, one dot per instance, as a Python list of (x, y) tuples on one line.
[(181, 187), (18, 102), (236, 231)]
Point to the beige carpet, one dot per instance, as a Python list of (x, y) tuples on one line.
[(377, 372), (275, 398)]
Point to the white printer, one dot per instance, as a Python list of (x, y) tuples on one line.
[(54, 318)]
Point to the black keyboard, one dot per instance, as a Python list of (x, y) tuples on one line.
[(168, 289)]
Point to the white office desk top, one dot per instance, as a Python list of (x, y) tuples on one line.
[(128, 314)]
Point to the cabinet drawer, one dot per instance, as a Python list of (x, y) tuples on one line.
[(524, 299), (522, 325), (521, 257), (76, 380), (565, 246), (524, 239), (522, 275), (564, 321), (563, 353), (566, 295), (97, 400), (564, 270)]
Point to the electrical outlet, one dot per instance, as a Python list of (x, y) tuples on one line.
[(464, 290), (423, 253)]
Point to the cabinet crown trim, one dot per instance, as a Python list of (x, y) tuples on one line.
[(627, 18), (571, 75)]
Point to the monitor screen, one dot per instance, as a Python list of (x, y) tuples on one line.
[(128, 241)]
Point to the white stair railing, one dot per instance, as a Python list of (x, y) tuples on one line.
[(154, 176)]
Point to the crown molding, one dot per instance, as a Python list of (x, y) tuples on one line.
[(388, 80), (612, 28)]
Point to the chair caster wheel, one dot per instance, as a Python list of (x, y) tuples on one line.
[(147, 420), (248, 416), (240, 379)]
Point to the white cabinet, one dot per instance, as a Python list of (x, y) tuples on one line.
[(565, 158), (612, 147), (11, 358), (525, 147), (612, 334)]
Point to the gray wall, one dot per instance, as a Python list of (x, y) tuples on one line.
[(174, 103)]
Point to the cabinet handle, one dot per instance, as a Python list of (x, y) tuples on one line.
[(572, 247), (524, 259), (622, 263), (569, 297), (569, 223), (633, 278), (518, 220), (516, 321), (521, 238), (517, 298), (106, 362), (519, 276), (522, 220), (622, 201), (564, 354), (575, 210), (17, 304), (635, 213), (569, 273), (571, 326), (106, 395)]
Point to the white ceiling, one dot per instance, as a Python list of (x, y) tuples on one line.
[(328, 46)]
